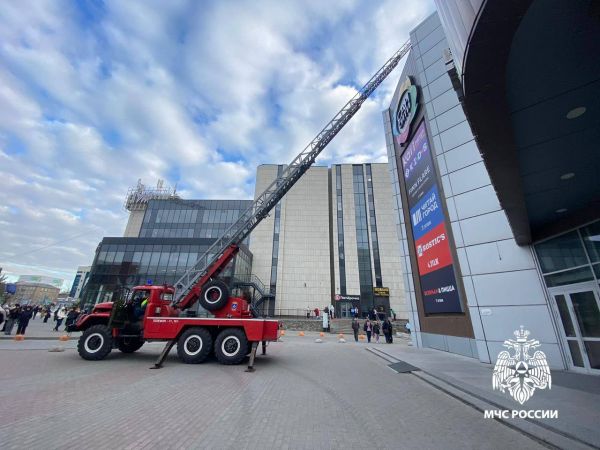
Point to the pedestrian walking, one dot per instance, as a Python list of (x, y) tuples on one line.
[(60, 316), (376, 332), (355, 327), (24, 316), (368, 328), (307, 312), (388, 331), (71, 317), (317, 313), (13, 317), (393, 314), (46, 314), (35, 311)]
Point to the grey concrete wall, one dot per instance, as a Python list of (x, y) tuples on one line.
[(303, 272), (134, 223), (503, 286)]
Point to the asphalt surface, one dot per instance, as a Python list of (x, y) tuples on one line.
[(303, 395)]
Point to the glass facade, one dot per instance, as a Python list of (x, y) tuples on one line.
[(340, 228), (191, 218), (275, 250), (129, 262), (362, 239), (174, 234), (373, 223), (75, 285), (570, 266), (573, 257)]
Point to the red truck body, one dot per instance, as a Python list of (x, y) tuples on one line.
[(231, 333)]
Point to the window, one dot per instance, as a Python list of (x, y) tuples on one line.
[(560, 253), (362, 239), (340, 228)]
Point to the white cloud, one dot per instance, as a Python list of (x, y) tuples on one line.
[(197, 93)]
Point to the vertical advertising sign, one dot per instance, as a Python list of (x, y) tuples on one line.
[(432, 247)]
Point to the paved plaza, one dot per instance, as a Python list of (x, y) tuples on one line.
[(303, 395)]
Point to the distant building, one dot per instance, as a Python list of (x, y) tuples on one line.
[(35, 293), (165, 235), (83, 273)]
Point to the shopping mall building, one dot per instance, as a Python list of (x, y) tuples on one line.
[(331, 241), (492, 138)]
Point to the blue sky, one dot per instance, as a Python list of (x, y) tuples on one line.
[(97, 94)]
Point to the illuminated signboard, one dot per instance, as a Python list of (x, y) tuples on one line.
[(432, 248), (405, 111), (381, 291)]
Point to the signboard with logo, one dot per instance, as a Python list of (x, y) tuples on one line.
[(432, 247), (405, 112), (347, 298), (381, 291), (56, 282)]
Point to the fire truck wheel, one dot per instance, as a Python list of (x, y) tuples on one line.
[(129, 345), (194, 345), (214, 295), (231, 346), (95, 343)]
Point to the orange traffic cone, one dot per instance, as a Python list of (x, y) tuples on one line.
[(341, 335), (321, 334), (301, 333), (282, 333), (19, 337), (63, 338)]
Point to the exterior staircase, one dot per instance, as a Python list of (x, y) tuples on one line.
[(342, 326), (251, 286)]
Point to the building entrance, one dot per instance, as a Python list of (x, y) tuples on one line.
[(345, 310), (577, 308)]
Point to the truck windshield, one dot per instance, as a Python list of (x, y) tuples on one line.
[(140, 295)]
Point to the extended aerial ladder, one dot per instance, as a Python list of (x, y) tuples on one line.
[(214, 260)]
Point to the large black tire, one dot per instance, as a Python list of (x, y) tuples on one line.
[(214, 295), (194, 345), (231, 346), (95, 343), (129, 345)]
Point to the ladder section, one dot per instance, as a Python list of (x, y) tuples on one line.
[(266, 201)]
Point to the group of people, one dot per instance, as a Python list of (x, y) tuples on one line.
[(328, 311), (21, 315), (373, 328)]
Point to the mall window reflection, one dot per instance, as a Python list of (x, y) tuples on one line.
[(570, 258)]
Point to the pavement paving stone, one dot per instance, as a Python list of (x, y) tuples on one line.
[(303, 395), (575, 396)]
